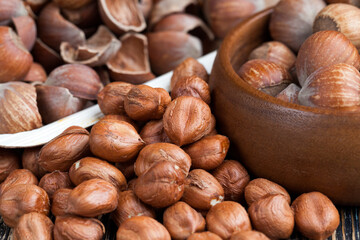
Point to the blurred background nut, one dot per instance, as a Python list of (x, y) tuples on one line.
[(153, 132), (209, 152), (46, 56), (204, 236), (260, 187), (181, 220), (61, 152), (127, 169), (88, 168), (226, 218), (9, 161), (129, 205), (249, 235), (74, 227), (72, 4), (316, 217), (16, 177), (273, 216), (233, 177), (352, 2), (115, 141), (142, 227), (21, 199), (192, 86), (36, 73), (202, 190), (29, 161), (33, 226), (25, 27), (52, 182), (9, 9), (59, 202)]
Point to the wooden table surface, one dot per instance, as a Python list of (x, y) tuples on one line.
[(349, 227)]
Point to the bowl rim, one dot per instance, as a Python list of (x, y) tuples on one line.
[(224, 59)]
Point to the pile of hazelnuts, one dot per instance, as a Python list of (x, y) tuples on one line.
[(156, 164)]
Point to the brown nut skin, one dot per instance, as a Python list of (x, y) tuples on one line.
[(273, 216), (202, 190), (261, 187), (33, 226), (161, 185), (144, 103), (226, 218), (16, 177), (204, 236), (9, 161), (92, 198), (189, 67), (36, 73), (233, 177), (153, 132), (61, 152), (29, 161), (78, 228), (129, 205), (122, 118), (51, 182), (316, 217), (127, 169), (181, 220), (111, 98), (290, 94), (186, 120), (248, 235), (192, 86), (60, 202), (158, 152), (142, 227), (115, 141), (21, 199), (209, 152)]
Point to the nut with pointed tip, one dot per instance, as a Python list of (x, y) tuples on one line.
[(192, 86), (204, 236), (202, 190), (249, 235), (226, 218), (33, 226), (290, 94), (9, 161), (29, 161), (153, 132), (106, 143), (51, 182), (60, 202), (16, 177), (316, 217)]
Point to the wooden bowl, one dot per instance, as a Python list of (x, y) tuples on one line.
[(303, 149)]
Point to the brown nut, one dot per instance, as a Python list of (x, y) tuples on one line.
[(249, 235), (52, 182), (186, 120), (142, 227), (26, 29), (161, 185), (290, 93), (202, 190), (46, 56), (111, 98), (316, 217), (122, 118), (115, 141), (158, 152), (127, 169), (181, 220), (131, 184), (233, 177), (29, 161), (153, 132), (9, 161), (273, 216), (61, 152), (226, 218), (261, 187), (89, 168), (209, 152), (21, 199), (60, 202), (11, 9), (129, 205), (72, 4), (16, 177), (92, 198), (144, 103), (204, 236), (33, 226), (192, 86), (211, 128), (72, 227), (36, 73)]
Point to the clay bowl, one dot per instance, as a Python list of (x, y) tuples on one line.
[(304, 149)]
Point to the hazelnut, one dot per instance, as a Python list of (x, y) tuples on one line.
[(61, 152), (316, 217), (26, 29), (144, 103), (233, 177), (115, 141), (127, 168), (290, 93), (261, 187), (153, 132), (204, 236), (211, 128), (16, 177), (21, 199), (124, 118), (129, 205), (186, 120), (161, 185), (209, 152), (192, 86), (73, 227), (158, 152), (142, 227), (273, 216), (33, 226), (131, 184), (60, 202), (249, 235), (9, 161), (202, 190), (181, 220), (11, 9), (51, 182), (30, 161), (36, 73), (226, 218)]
